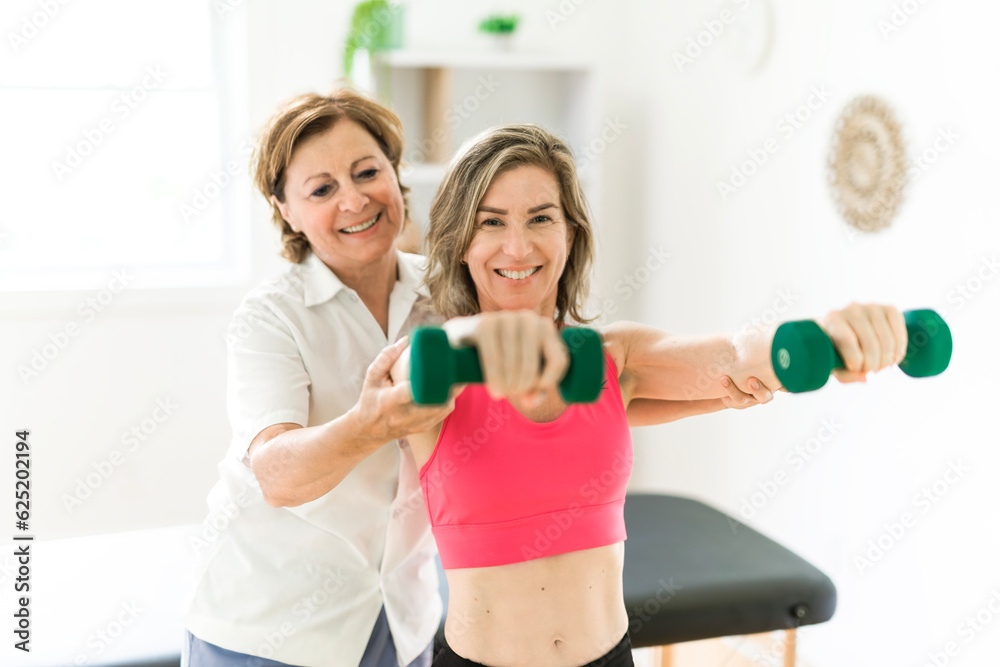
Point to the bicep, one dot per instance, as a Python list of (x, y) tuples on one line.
[(423, 444), (664, 366), (632, 347)]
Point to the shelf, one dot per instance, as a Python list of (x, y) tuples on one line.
[(445, 97), (481, 60)]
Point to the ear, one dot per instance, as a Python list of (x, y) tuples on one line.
[(283, 209), (570, 237)]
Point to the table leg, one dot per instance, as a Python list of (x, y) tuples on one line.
[(666, 656), (790, 647)]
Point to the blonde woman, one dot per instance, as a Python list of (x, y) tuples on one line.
[(510, 248)]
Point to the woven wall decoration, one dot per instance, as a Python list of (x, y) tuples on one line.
[(867, 164)]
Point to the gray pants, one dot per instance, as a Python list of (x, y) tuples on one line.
[(380, 652)]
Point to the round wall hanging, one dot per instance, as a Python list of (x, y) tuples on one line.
[(867, 164)]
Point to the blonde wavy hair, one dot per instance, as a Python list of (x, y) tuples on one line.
[(453, 216), (307, 115)]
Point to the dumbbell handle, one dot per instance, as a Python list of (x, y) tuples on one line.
[(468, 370), (435, 366), (803, 355)]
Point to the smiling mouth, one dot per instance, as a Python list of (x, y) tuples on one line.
[(362, 227), (517, 275)]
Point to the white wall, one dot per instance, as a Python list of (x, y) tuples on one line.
[(780, 233), (683, 131)]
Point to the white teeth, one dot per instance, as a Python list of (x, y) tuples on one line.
[(517, 275), (360, 228)]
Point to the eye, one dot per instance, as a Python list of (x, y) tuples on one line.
[(541, 218), (368, 173), (490, 222), (322, 191)]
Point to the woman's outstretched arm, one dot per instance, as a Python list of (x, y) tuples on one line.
[(654, 364)]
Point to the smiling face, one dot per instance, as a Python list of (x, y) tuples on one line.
[(342, 193), (520, 242)]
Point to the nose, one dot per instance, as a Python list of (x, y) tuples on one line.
[(517, 242), (352, 200)]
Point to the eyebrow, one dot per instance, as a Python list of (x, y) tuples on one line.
[(500, 211), (360, 159)]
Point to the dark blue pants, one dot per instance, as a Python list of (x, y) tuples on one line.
[(380, 652)]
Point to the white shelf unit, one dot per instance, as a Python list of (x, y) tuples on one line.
[(444, 98)]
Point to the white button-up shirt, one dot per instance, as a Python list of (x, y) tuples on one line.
[(304, 585)]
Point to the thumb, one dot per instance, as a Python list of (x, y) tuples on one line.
[(379, 369), (401, 393), (845, 375)]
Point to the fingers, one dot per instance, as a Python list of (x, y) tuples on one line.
[(526, 340), (491, 360), (403, 417), (378, 370), (556, 358), (886, 338), (898, 325), (512, 346), (842, 327), (739, 400), (867, 337)]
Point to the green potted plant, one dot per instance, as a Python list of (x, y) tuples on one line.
[(375, 25), (501, 27)]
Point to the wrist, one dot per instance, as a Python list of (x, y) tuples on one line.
[(364, 429), (461, 330)]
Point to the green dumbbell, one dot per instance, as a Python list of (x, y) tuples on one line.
[(435, 366), (803, 355)]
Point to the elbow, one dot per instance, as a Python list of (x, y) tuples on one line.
[(271, 489), (276, 500), (272, 496)]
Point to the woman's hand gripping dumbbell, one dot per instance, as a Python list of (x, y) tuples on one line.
[(435, 366), (803, 356)]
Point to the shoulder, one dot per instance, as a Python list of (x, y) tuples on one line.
[(618, 338), (413, 271), (275, 300), (283, 291), (417, 263)]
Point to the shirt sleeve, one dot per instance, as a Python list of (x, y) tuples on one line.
[(267, 380)]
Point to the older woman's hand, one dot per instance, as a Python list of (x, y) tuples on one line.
[(521, 352), (738, 400), (868, 338), (386, 409)]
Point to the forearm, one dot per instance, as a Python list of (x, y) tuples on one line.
[(303, 464), (665, 366), (650, 412)]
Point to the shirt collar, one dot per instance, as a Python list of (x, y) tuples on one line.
[(411, 272), (320, 284)]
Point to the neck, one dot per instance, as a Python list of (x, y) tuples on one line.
[(545, 310), (372, 281)]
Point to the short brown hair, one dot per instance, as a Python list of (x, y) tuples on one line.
[(453, 216), (305, 116)]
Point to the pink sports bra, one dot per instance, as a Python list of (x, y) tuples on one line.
[(502, 489)]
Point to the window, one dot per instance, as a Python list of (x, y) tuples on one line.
[(122, 145)]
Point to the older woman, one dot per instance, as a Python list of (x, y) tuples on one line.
[(526, 494), (312, 553)]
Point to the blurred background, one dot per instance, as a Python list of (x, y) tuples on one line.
[(130, 233)]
